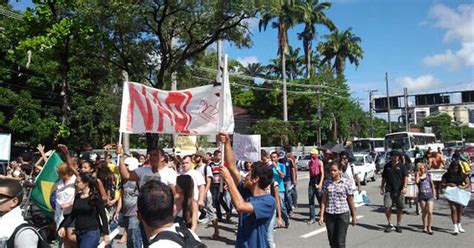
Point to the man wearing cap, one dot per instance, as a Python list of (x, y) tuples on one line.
[(316, 178), (393, 188)]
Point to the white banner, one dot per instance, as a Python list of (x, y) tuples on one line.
[(185, 145), (192, 111), (246, 147), (5, 146)]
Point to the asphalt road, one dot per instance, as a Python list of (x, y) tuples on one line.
[(367, 233)]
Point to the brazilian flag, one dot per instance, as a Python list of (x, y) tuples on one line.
[(44, 184)]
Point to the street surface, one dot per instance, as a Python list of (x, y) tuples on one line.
[(367, 233), (369, 230)]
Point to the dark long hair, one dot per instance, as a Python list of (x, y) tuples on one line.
[(185, 182), (91, 181)]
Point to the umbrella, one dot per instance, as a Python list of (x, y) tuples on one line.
[(338, 148)]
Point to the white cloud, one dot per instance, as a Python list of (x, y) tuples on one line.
[(459, 26), (421, 84), (252, 23), (247, 60)]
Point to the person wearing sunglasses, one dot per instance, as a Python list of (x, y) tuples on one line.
[(14, 230)]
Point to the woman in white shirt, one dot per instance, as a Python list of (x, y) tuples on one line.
[(65, 192)]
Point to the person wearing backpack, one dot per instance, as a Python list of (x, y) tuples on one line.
[(155, 209), (316, 178), (14, 230)]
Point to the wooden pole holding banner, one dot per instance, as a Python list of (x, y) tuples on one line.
[(221, 75), (126, 136)]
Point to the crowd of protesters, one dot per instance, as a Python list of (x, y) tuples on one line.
[(160, 199)]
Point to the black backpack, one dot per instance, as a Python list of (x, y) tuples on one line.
[(42, 243), (182, 236)]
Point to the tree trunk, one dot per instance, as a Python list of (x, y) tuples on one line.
[(335, 127), (340, 65)]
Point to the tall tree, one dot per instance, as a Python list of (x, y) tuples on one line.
[(286, 14), (254, 70), (341, 46), (293, 64), (313, 15)]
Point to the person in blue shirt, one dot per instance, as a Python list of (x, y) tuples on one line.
[(279, 173), (250, 198)]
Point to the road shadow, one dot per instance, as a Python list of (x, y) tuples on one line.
[(221, 239), (419, 228), (371, 227)]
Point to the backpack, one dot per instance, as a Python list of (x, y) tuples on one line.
[(182, 236), (42, 243), (465, 167)]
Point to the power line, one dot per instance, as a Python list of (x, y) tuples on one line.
[(42, 78), (274, 90), (273, 80), (10, 14)]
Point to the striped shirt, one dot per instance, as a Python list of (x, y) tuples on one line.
[(337, 193)]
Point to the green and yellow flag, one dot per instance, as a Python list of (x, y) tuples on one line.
[(44, 184)]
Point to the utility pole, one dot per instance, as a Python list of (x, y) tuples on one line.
[(407, 122), (371, 114), (388, 105), (283, 72), (126, 136), (174, 86), (319, 116)]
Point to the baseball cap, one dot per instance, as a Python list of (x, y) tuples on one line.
[(132, 163), (314, 152), (281, 154), (200, 153)]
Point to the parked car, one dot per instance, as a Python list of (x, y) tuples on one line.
[(302, 162), (364, 168)]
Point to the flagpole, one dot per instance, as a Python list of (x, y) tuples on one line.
[(119, 143), (223, 75)]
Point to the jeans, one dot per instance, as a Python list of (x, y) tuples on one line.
[(313, 192), (294, 194), (113, 225), (336, 225), (270, 239), (134, 239), (87, 239), (284, 213), (288, 197), (218, 200)]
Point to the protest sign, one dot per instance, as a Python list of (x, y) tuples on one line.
[(246, 147), (191, 111), (5, 146)]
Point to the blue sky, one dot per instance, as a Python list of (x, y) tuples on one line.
[(424, 45)]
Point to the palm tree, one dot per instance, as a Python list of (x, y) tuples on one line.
[(286, 12), (341, 46), (294, 64), (254, 70), (313, 15)]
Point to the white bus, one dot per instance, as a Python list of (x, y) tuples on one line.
[(408, 141), (366, 145)]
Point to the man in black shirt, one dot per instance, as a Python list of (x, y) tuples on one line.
[(393, 188)]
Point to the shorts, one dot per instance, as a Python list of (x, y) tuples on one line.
[(388, 202)]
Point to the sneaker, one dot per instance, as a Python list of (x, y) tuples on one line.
[(461, 230), (456, 230), (389, 228), (398, 229), (310, 222)]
